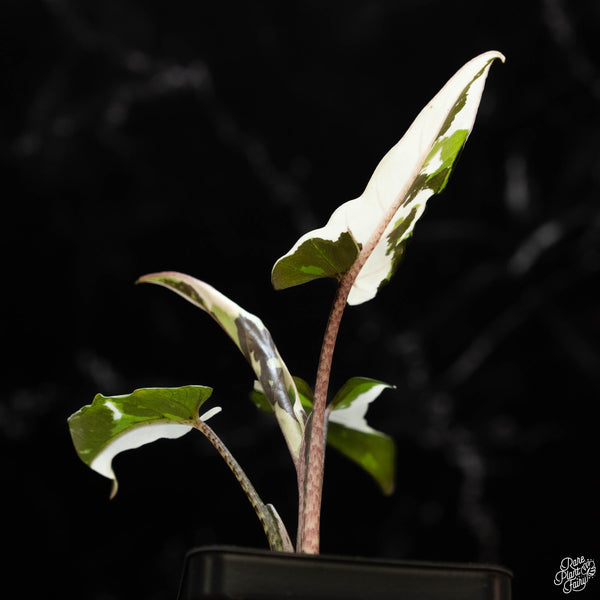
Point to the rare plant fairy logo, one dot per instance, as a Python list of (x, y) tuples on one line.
[(574, 573)]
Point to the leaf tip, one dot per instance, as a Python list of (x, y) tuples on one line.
[(148, 278), (210, 413), (492, 55), (388, 488), (114, 489)]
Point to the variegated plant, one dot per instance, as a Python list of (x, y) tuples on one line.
[(361, 246)]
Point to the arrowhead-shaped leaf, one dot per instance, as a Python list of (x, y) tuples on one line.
[(348, 431), (418, 166), (113, 424), (255, 342)]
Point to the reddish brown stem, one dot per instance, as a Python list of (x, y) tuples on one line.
[(313, 468), (309, 522)]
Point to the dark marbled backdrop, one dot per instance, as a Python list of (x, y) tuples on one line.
[(142, 135)]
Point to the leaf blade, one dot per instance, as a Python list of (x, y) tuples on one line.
[(256, 344), (114, 424), (418, 166), (349, 432), (374, 452)]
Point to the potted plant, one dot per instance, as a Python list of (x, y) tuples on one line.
[(361, 246)]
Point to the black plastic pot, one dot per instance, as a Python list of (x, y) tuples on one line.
[(226, 573)]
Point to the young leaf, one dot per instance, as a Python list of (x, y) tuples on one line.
[(282, 541), (357, 393), (255, 342), (375, 452), (418, 166), (348, 431), (113, 424), (258, 397)]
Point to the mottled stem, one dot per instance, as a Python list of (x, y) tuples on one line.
[(267, 515), (310, 519), (309, 522)]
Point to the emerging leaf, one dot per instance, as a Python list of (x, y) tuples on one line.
[(348, 431), (418, 166), (255, 342), (113, 424), (280, 542)]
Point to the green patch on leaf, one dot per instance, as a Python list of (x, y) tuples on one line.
[(313, 271), (227, 322), (448, 149), (305, 392), (398, 239), (315, 259), (358, 388)]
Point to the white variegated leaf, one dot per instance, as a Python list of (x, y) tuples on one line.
[(349, 432), (114, 424), (418, 166), (256, 344), (350, 404)]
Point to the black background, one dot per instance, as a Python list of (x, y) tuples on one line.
[(143, 135)]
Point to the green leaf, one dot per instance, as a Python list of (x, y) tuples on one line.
[(305, 392), (260, 400), (113, 424), (417, 167), (254, 341), (374, 452), (349, 433)]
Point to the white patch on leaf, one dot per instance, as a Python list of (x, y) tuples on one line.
[(353, 416), (435, 162), (117, 414), (274, 362), (134, 438)]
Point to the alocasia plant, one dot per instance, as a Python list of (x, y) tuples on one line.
[(361, 246)]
